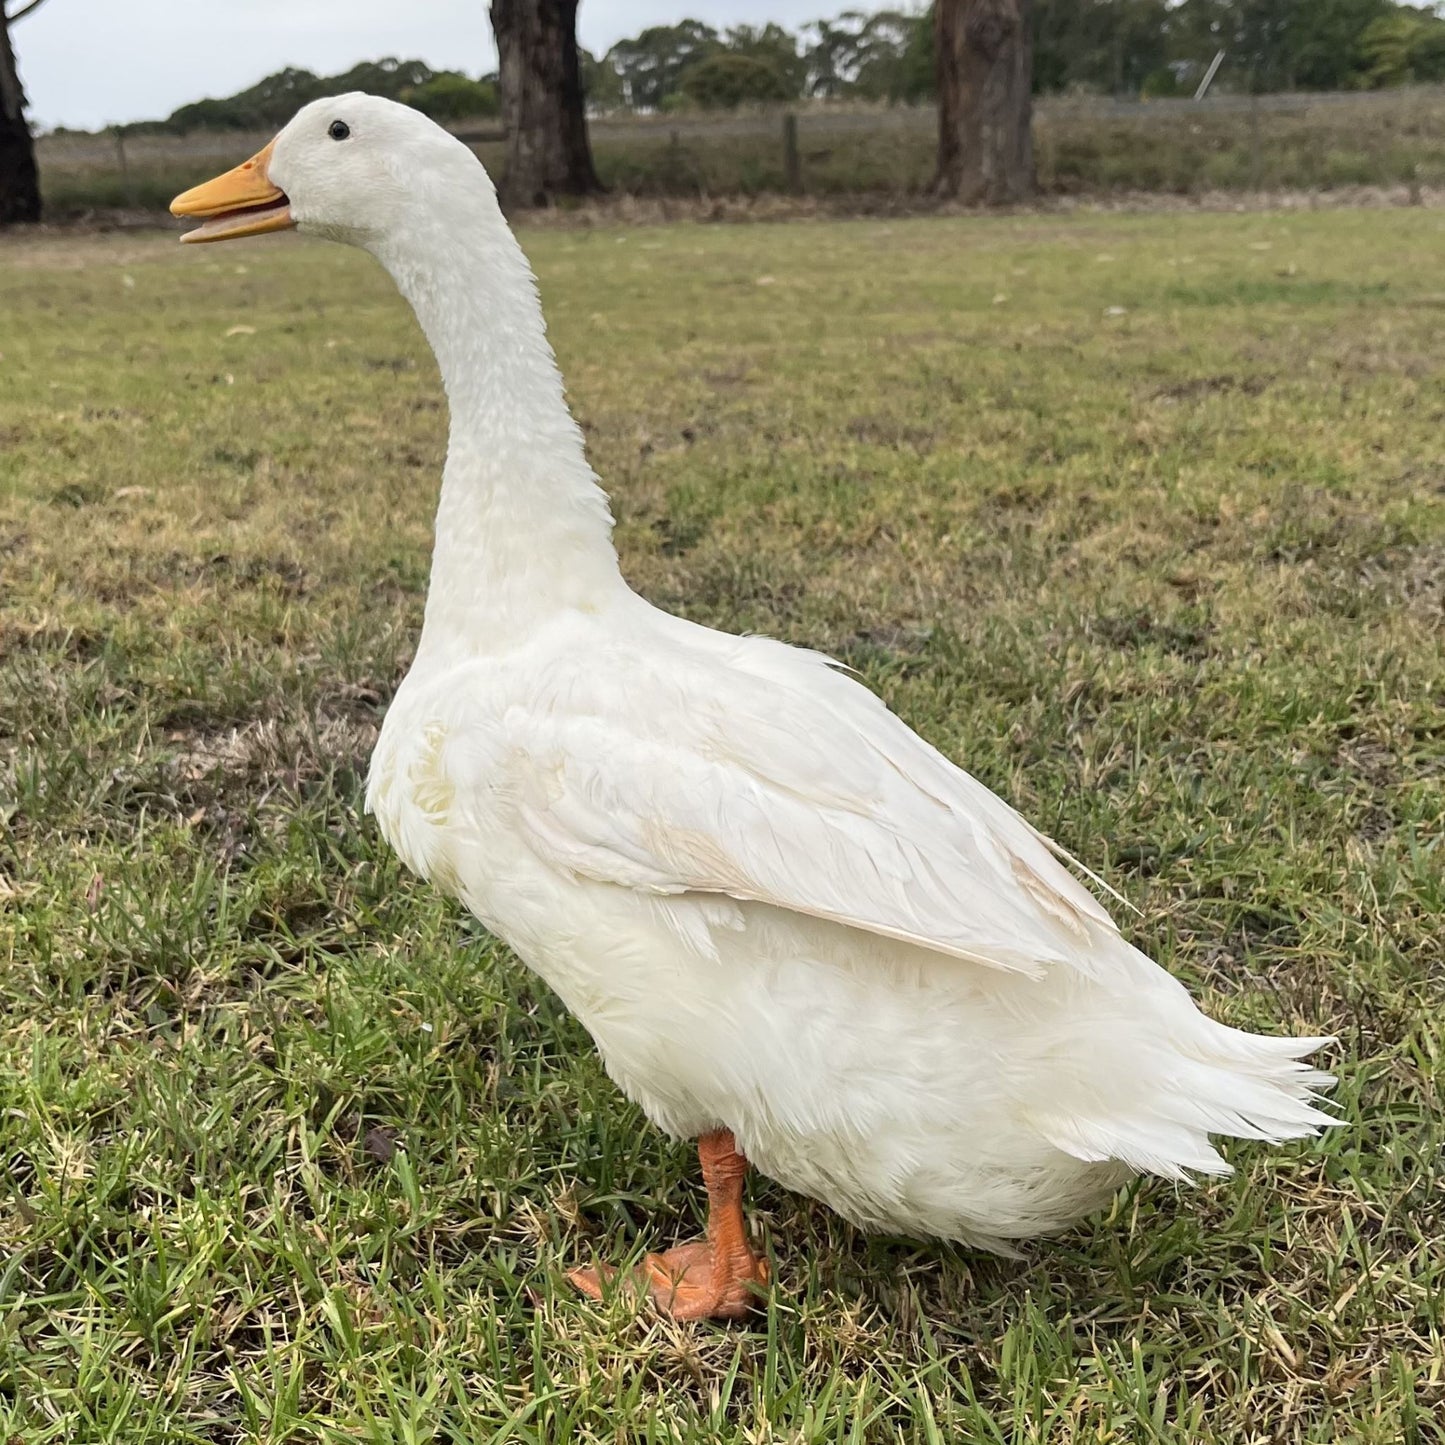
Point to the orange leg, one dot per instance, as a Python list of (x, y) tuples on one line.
[(713, 1278)]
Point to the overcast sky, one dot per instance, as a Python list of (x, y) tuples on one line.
[(90, 63)]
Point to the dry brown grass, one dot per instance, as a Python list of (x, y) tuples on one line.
[(883, 158)]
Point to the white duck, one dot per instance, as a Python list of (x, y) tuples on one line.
[(795, 931)]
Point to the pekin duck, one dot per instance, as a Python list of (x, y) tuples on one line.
[(796, 932)]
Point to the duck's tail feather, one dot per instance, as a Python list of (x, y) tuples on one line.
[(1188, 1078)]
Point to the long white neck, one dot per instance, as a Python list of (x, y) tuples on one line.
[(523, 531)]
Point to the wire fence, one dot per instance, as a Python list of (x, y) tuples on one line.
[(1083, 145)]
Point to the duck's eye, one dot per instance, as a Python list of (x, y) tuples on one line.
[(339, 130)]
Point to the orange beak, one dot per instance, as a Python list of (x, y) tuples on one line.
[(243, 202)]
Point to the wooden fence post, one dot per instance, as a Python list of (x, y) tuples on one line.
[(1256, 145), (792, 161), (126, 189)]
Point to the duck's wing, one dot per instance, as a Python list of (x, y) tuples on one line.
[(767, 776)]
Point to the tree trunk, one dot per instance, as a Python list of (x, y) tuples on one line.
[(542, 103), (985, 100), (19, 179)]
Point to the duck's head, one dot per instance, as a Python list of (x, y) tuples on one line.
[(354, 168)]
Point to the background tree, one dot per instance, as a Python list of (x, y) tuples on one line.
[(1404, 47), (19, 176), (830, 56), (774, 47), (985, 100), (543, 109), (726, 81), (271, 102), (887, 55), (1116, 47), (895, 58), (444, 95), (1286, 44), (601, 85), (451, 96), (651, 65)]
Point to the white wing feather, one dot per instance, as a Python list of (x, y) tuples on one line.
[(758, 772)]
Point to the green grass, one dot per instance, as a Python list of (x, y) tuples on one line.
[(1143, 518)]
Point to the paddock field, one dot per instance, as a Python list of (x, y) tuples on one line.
[(872, 156), (1141, 517)]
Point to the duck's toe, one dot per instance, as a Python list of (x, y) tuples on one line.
[(692, 1282), (702, 1282), (592, 1281)]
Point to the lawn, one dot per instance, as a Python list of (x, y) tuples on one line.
[(1142, 518)]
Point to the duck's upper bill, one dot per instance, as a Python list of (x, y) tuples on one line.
[(242, 202)]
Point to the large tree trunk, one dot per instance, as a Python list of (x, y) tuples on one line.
[(19, 179), (542, 103), (985, 102)]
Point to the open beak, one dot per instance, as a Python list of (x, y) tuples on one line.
[(243, 202)]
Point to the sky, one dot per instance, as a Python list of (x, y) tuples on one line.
[(91, 63)]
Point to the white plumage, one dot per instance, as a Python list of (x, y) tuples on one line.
[(775, 908)]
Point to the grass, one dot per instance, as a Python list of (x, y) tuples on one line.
[(1142, 517), (1083, 148)]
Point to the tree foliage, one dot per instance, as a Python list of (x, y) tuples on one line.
[(726, 81), (886, 55), (449, 96), (1404, 47), (1281, 44), (1111, 47), (1105, 47), (442, 94), (650, 67)]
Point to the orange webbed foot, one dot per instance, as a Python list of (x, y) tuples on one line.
[(717, 1278), (691, 1282)]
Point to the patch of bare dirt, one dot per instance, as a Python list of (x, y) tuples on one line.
[(287, 751), (1412, 577), (219, 777), (1193, 387)]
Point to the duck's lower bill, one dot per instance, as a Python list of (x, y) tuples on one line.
[(249, 222)]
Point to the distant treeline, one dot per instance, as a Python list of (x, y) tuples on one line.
[(1101, 47), (445, 95), (1109, 47)]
